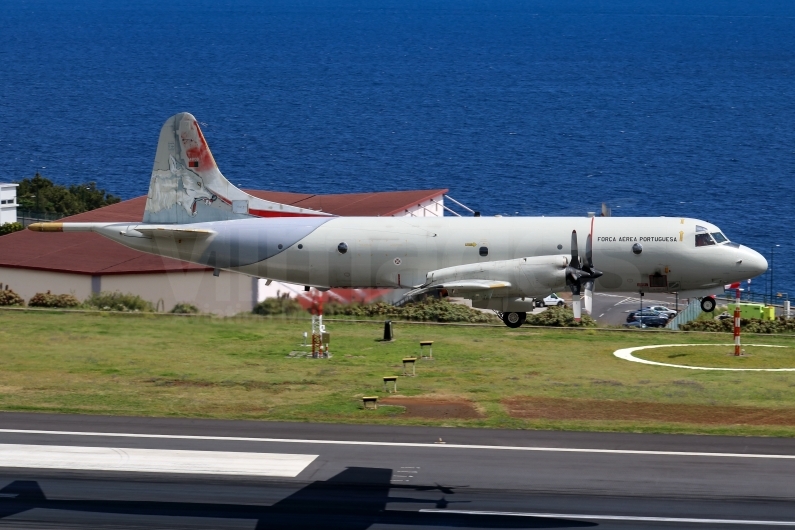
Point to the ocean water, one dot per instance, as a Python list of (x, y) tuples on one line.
[(520, 107)]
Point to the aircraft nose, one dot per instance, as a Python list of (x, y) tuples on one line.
[(753, 263)]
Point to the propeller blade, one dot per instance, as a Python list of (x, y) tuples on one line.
[(589, 297), (575, 254), (575, 304), (589, 253)]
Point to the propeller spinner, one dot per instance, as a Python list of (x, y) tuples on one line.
[(579, 275)]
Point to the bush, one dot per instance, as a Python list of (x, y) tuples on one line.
[(281, 305), (183, 308), (561, 317), (429, 310), (750, 325), (9, 297), (116, 301), (53, 300), (8, 228)]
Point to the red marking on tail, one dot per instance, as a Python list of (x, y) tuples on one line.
[(200, 153)]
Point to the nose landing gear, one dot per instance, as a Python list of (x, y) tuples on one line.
[(708, 304)]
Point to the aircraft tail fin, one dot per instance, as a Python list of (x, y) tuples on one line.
[(187, 187)]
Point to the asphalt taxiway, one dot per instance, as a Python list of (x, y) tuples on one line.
[(60, 471), (612, 308)]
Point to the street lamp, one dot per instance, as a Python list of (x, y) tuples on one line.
[(772, 254)]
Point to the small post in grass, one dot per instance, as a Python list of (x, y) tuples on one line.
[(409, 362), (390, 379), (389, 336), (370, 402), (429, 344)]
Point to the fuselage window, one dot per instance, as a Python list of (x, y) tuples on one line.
[(484, 251), (719, 237), (702, 240)]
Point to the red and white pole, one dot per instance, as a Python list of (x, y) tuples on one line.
[(737, 322)]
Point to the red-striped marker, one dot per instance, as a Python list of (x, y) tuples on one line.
[(737, 351)]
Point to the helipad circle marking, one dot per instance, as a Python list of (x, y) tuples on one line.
[(626, 354)]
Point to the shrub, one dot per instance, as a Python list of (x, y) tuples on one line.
[(184, 308), (750, 325), (53, 300), (429, 310), (9, 297), (116, 301), (280, 305), (8, 228), (559, 316)]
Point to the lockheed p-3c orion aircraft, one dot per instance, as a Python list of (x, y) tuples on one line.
[(194, 213)]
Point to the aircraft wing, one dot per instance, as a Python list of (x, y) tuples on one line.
[(458, 287), (473, 285)]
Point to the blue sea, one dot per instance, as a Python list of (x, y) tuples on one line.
[(520, 107)]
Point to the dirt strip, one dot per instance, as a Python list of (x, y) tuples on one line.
[(434, 408), (606, 410)]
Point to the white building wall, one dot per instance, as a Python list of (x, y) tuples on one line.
[(27, 282), (227, 294), (8, 203)]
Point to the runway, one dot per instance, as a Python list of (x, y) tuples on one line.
[(109, 472)]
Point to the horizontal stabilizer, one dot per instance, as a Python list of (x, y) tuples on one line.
[(174, 231), (67, 227)]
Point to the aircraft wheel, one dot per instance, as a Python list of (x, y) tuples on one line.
[(515, 319), (708, 304)]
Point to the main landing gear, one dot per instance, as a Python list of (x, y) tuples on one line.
[(514, 319), (708, 304)]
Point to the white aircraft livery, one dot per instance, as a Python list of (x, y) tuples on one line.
[(194, 213)]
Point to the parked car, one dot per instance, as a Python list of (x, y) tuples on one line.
[(550, 300), (650, 318), (670, 313)]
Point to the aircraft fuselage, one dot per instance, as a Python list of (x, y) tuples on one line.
[(657, 254)]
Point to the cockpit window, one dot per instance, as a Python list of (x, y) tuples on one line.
[(719, 237), (702, 240)]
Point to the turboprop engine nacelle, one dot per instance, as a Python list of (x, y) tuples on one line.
[(521, 277)]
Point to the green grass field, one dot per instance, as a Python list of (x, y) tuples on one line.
[(151, 365)]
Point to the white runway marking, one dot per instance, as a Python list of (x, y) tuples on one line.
[(152, 460), (626, 354), (620, 518), (431, 445)]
